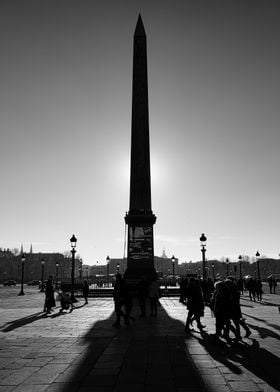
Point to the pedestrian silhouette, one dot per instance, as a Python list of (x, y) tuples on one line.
[(85, 291), (153, 293), (120, 297), (195, 304), (49, 296)]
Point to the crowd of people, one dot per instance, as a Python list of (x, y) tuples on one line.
[(123, 300), (221, 296), (64, 298)]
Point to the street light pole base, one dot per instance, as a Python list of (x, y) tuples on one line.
[(21, 293)]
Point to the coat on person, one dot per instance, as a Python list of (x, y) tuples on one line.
[(195, 303), (49, 295), (259, 290), (85, 291), (220, 307), (66, 302), (120, 295), (153, 293)]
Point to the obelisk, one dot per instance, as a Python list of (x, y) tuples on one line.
[(140, 218)]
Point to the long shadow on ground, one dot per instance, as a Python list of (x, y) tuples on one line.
[(18, 323), (261, 303), (252, 357), (11, 325), (275, 326), (147, 355), (265, 332)]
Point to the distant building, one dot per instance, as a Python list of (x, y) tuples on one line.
[(163, 266), (11, 265)]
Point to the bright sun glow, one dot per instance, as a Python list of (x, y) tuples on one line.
[(157, 171)]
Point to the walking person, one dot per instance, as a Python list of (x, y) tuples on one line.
[(251, 286), (195, 304), (85, 291), (220, 307), (259, 290), (274, 284), (270, 284), (49, 295), (235, 312), (120, 295), (240, 286), (153, 293), (183, 287)]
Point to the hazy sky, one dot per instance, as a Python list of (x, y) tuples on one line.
[(65, 116)]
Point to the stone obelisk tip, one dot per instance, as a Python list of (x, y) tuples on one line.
[(140, 30)]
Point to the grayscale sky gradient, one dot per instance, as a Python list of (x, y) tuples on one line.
[(65, 115)]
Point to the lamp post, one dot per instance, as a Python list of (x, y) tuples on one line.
[(42, 275), (203, 240), (87, 272), (22, 274), (173, 266), (240, 266), (227, 264), (56, 277), (73, 241), (108, 272), (213, 272), (81, 270), (168, 274), (258, 264)]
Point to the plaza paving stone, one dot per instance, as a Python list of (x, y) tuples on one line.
[(81, 351)]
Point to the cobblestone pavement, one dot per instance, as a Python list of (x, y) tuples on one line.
[(81, 351)]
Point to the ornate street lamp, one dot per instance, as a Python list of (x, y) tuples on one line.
[(227, 264), (240, 266), (173, 266), (203, 240), (213, 272), (108, 272), (258, 264), (73, 241), (81, 270), (42, 275), (56, 278), (22, 274)]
